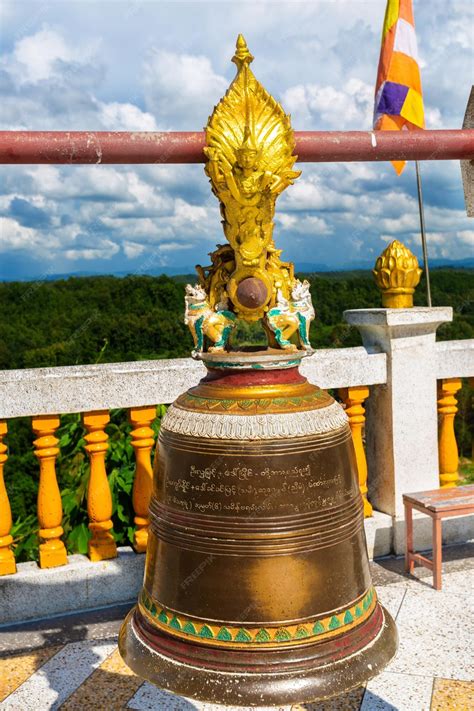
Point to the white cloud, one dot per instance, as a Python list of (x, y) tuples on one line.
[(38, 56), (189, 213), (15, 236), (172, 246), (466, 236), (133, 249), (125, 117), (104, 250), (310, 225), (181, 89), (313, 193), (318, 106)]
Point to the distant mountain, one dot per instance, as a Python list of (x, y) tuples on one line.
[(189, 271), (169, 271), (363, 265), (453, 264)]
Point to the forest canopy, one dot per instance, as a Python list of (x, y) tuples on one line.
[(109, 319)]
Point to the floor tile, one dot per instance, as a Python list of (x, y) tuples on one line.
[(391, 597), (16, 669), (109, 687), (460, 582), (436, 633), (58, 678), (150, 698), (77, 627), (346, 702), (452, 695), (398, 692)]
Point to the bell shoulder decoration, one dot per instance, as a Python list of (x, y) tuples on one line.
[(257, 589), (250, 161)]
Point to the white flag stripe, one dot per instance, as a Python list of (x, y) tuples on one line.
[(405, 39), (56, 680)]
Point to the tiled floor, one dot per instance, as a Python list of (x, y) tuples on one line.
[(72, 663)]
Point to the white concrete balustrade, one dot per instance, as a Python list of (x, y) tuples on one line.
[(400, 362), (81, 388)]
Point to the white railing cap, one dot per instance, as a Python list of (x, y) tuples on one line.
[(455, 359), (83, 388)]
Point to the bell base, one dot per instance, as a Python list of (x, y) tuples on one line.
[(301, 674)]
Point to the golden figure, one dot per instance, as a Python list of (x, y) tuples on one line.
[(250, 162)]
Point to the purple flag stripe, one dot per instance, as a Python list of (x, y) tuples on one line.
[(392, 98)]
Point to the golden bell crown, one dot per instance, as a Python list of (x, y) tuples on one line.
[(397, 274)]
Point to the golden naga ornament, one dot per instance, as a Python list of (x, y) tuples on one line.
[(250, 146), (397, 274)]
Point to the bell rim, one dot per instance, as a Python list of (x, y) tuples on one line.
[(249, 689)]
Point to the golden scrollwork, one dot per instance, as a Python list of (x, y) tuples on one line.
[(250, 162)]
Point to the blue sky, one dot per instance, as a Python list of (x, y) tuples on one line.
[(147, 65)]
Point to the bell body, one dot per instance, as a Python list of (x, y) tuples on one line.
[(257, 588)]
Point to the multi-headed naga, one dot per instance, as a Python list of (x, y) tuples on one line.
[(250, 162)]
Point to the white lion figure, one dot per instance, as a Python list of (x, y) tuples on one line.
[(289, 316), (203, 321), (303, 306)]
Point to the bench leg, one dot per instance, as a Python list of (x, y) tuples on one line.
[(437, 553), (409, 562)]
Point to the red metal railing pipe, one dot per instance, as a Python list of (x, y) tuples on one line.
[(23, 147)]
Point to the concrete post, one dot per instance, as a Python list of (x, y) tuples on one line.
[(401, 419)]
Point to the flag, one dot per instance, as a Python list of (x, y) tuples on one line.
[(398, 94)]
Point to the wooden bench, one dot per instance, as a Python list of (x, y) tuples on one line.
[(439, 504)]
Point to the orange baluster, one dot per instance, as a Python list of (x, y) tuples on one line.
[(7, 559), (447, 446), (52, 551), (142, 441), (353, 397), (99, 499)]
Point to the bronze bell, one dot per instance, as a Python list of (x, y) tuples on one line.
[(257, 588)]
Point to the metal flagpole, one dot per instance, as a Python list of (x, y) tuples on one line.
[(423, 233)]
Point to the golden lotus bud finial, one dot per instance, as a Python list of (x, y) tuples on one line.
[(397, 274)]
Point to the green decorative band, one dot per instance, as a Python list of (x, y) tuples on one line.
[(245, 636)]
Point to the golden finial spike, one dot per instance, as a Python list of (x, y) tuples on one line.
[(242, 54), (397, 274)]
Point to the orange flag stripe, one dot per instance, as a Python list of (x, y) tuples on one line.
[(393, 123), (404, 70), (385, 57), (406, 11)]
